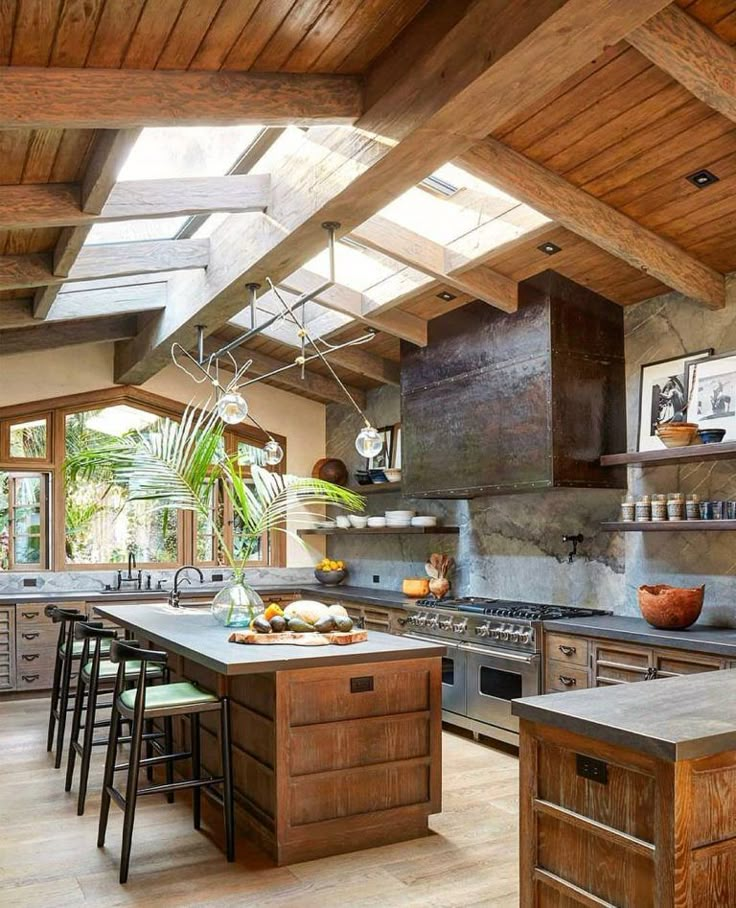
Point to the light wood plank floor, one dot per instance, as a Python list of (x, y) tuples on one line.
[(49, 859)]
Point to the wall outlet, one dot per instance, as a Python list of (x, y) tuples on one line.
[(217, 577), (376, 578), (30, 581), (595, 770)]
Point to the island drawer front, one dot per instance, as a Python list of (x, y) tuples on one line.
[(39, 636), (343, 745), (560, 676), (567, 649), (355, 692), (314, 799)]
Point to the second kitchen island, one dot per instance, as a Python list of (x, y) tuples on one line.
[(335, 748)]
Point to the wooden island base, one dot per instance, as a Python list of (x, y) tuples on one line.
[(328, 760)]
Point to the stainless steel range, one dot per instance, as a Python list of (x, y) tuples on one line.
[(493, 656)]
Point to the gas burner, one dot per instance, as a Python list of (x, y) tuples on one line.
[(465, 603), (497, 608)]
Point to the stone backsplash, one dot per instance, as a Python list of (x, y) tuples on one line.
[(511, 546)]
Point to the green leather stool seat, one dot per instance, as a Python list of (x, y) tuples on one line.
[(171, 696), (109, 670), (79, 644)]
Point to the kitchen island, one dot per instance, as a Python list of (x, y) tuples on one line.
[(335, 748), (628, 795)]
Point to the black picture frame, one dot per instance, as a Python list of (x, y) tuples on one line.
[(383, 460)]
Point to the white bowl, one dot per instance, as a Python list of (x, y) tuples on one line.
[(404, 514), (376, 522), (393, 475), (342, 522), (424, 521), (360, 523)]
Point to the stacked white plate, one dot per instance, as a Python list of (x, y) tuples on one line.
[(399, 519), (425, 521)]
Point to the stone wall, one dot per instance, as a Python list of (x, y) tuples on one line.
[(510, 546)]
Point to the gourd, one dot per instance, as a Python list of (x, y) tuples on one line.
[(306, 610)]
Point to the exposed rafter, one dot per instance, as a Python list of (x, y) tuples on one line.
[(52, 335), (693, 55), (461, 88), (595, 221), (63, 97), (96, 262), (58, 204)]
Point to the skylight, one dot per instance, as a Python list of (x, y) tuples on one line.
[(167, 152)]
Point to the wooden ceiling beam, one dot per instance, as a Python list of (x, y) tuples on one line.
[(108, 156), (313, 384), (98, 262), (37, 205), (693, 55), (596, 221), (466, 82), (68, 98), (52, 335), (435, 260)]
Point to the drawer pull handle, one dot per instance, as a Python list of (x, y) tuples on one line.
[(29, 657), (30, 636), (568, 682), (30, 678), (29, 615), (567, 650)]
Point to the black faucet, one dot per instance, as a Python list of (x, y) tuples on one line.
[(575, 539), (174, 594), (131, 578)]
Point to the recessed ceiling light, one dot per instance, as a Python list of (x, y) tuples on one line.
[(438, 186), (447, 296), (549, 248), (702, 178)]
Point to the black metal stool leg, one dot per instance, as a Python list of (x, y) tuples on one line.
[(112, 753), (66, 681), (227, 775), (54, 701), (148, 726), (169, 745), (89, 734), (131, 793), (196, 770), (74, 736)]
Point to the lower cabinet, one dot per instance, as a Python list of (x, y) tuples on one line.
[(376, 618), (574, 663), (7, 647)]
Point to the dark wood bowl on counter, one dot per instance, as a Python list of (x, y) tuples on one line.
[(670, 607)]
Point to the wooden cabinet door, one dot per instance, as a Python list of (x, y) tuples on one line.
[(7, 647), (671, 663), (620, 663)]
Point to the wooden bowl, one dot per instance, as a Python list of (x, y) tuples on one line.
[(670, 607), (415, 587), (677, 434)]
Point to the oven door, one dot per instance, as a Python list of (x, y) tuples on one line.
[(494, 679), (454, 676)]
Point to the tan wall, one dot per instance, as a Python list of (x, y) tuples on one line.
[(88, 367)]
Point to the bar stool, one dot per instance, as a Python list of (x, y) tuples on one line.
[(161, 702), (97, 676), (67, 651)]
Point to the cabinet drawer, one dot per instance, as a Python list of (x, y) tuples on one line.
[(567, 649), (38, 659), (38, 636), (31, 614), (31, 679), (673, 663), (562, 676)]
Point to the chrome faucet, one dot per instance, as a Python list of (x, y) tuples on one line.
[(174, 594)]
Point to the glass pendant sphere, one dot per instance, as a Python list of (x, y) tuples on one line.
[(273, 453), (232, 408), (368, 442)]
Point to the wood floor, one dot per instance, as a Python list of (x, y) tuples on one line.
[(48, 857)]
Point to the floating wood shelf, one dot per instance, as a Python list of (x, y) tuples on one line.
[(670, 526), (378, 531), (376, 487), (690, 454)]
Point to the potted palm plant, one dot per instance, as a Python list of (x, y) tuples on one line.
[(178, 465)]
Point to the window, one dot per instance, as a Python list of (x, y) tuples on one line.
[(101, 527), (29, 439), (23, 520)]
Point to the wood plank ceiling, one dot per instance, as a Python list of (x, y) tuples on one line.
[(621, 129)]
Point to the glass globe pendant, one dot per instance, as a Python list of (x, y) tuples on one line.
[(232, 408), (368, 442), (273, 453)]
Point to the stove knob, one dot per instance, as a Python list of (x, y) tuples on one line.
[(525, 636), (446, 625), (433, 622), (503, 633), (496, 633), (483, 630), (460, 627), (420, 620)]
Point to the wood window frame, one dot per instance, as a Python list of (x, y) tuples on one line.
[(57, 409), (44, 517)]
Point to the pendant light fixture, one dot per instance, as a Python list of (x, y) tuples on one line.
[(231, 405)]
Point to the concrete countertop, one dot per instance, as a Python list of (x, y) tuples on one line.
[(194, 634), (720, 641), (671, 719)]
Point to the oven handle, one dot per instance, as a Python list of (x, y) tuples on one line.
[(527, 658)]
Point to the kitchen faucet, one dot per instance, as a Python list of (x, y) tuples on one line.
[(174, 594), (130, 577)]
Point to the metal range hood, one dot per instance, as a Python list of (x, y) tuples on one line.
[(500, 403)]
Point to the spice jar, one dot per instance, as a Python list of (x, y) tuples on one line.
[(692, 507), (659, 508), (643, 509), (628, 509), (676, 507)]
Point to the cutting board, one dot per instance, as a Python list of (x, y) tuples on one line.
[(340, 638)]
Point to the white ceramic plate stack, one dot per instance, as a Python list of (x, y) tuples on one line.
[(425, 521), (399, 519)]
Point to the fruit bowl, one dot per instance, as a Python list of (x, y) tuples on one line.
[(330, 578), (670, 607)]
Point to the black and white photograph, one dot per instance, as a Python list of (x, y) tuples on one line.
[(664, 395), (713, 401)]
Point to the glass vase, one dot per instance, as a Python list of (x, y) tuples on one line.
[(237, 604)]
